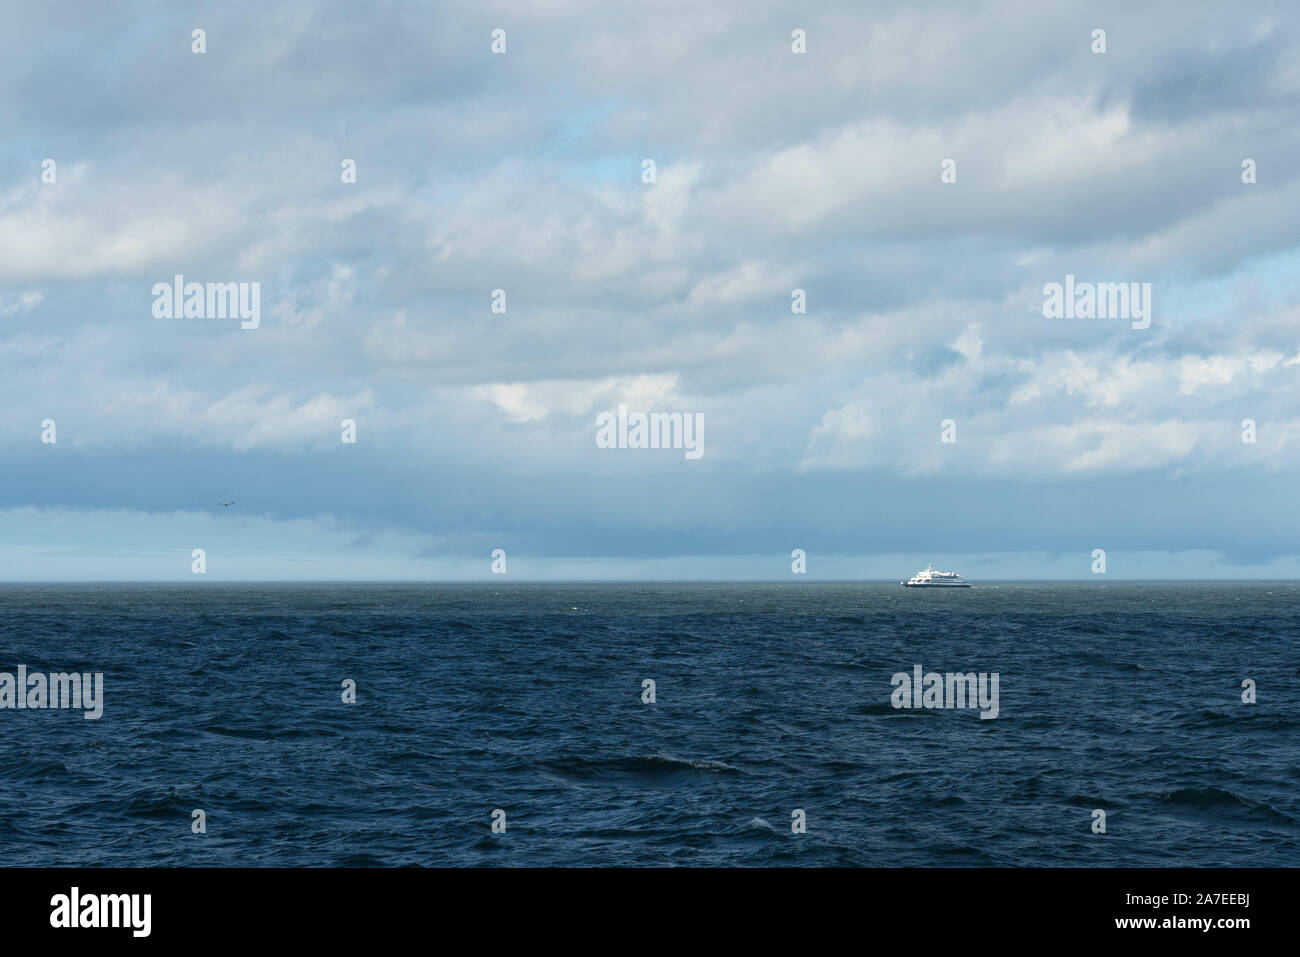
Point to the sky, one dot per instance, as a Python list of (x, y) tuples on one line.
[(525, 171)]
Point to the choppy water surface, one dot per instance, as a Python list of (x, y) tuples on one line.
[(1124, 697)]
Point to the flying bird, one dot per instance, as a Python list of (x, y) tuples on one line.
[(226, 504)]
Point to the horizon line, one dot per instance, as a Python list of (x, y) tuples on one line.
[(1100, 580)]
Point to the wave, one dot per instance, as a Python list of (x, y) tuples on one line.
[(1245, 719), (1218, 799), (646, 767), (1090, 657), (148, 803), (25, 769), (265, 734)]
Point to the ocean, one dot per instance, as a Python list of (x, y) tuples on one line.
[(772, 739)]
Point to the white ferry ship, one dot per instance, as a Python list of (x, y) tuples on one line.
[(929, 578)]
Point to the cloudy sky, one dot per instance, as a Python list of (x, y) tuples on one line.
[(523, 171)]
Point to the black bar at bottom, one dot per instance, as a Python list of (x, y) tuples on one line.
[(881, 904)]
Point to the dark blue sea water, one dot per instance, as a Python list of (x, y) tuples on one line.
[(1121, 697)]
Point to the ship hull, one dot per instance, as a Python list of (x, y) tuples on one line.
[(935, 585)]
